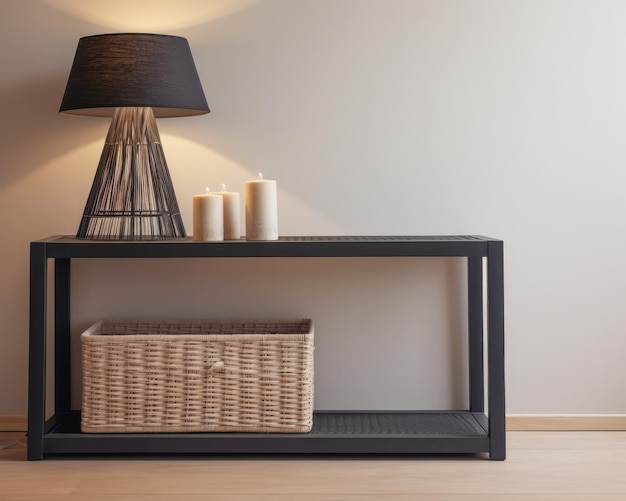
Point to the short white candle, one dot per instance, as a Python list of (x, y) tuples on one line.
[(208, 217), (261, 209), (232, 215)]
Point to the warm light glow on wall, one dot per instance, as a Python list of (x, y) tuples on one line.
[(150, 15)]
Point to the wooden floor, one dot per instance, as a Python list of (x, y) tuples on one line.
[(550, 466)]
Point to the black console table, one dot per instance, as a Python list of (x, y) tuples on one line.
[(480, 428)]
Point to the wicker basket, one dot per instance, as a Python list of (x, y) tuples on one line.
[(200, 375)]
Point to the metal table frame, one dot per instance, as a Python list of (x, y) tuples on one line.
[(480, 428)]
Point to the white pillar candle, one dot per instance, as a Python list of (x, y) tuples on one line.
[(208, 217), (261, 209), (232, 216)]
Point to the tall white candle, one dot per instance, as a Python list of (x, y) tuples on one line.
[(208, 217), (232, 215), (261, 209)]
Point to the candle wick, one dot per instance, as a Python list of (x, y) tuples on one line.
[(223, 187)]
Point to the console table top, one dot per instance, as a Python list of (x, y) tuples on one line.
[(64, 246)]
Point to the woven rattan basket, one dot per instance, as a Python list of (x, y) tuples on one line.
[(198, 376)]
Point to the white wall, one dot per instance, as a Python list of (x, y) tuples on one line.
[(498, 117)]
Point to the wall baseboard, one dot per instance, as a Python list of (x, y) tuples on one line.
[(13, 422), (514, 422), (566, 422)]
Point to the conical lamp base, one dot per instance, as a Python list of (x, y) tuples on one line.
[(132, 196)]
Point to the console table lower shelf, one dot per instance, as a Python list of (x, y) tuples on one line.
[(333, 433)]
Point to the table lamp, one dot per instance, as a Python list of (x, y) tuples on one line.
[(133, 78)]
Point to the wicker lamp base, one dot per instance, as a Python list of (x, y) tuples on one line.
[(132, 196)]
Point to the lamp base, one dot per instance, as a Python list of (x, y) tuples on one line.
[(132, 196)]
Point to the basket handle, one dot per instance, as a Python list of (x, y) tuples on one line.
[(217, 367)]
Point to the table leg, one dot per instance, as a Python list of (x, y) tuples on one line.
[(62, 372), (476, 334), (37, 350), (495, 350)]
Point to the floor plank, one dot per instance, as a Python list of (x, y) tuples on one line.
[(551, 466)]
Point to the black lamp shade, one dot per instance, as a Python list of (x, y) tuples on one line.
[(134, 70)]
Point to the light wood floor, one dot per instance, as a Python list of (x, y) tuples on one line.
[(551, 466)]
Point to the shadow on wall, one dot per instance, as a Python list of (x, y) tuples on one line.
[(36, 132)]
